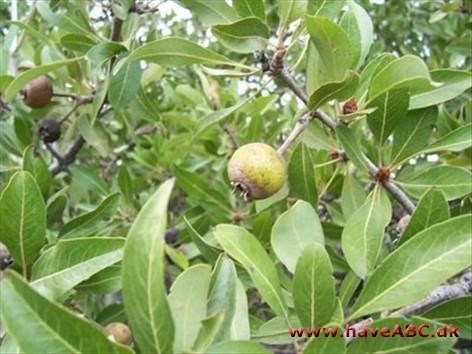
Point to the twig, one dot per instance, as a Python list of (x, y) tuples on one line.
[(79, 102), (300, 126), (461, 287), (282, 73)]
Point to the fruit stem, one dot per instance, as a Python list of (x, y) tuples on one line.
[(300, 126)]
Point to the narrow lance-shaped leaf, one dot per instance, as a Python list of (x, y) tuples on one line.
[(432, 209), (22, 219), (144, 292), (358, 26), (457, 140), (243, 36), (293, 231), (222, 294), (413, 134), (454, 182), (332, 44), (72, 261), (211, 12), (452, 84), (406, 72), (245, 248), (340, 90), (313, 287), (290, 10), (301, 175), (125, 84), (351, 146), (417, 267), (188, 302), (352, 196), (363, 234), (59, 329), (248, 8), (174, 52), (89, 223), (391, 110)]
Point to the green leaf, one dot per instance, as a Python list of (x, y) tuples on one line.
[(55, 207), (340, 90), (326, 344), (371, 69), (174, 52), (332, 44), (209, 251), (250, 8), (240, 329), (432, 209), (92, 222), (196, 187), (363, 234), (222, 294), (94, 134), (72, 261), (210, 327), (237, 346), (244, 248), (188, 302), (243, 36), (290, 10), (22, 219), (219, 115), (38, 168), (125, 84), (77, 42), (103, 282), (313, 287), (399, 344), (211, 12), (325, 8), (453, 83), (293, 231), (87, 177), (457, 140), (406, 72), (21, 80), (352, 196), (274, 331), (349, 285), (301, 175), (457, 312), (359, 28), (454, 182), (60, 330), (144, 292), (417, 267), (351, 146), (391, 110), (413, 134)]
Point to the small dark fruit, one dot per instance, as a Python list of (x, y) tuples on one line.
[(121, 333), (38, 92), (49, 130)]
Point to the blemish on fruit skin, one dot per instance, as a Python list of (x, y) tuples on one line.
[(257, 170)]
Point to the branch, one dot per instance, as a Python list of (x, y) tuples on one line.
[(461, 287), (302, 123), (275, 67)]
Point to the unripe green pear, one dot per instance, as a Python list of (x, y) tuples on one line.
[(257, 170)]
